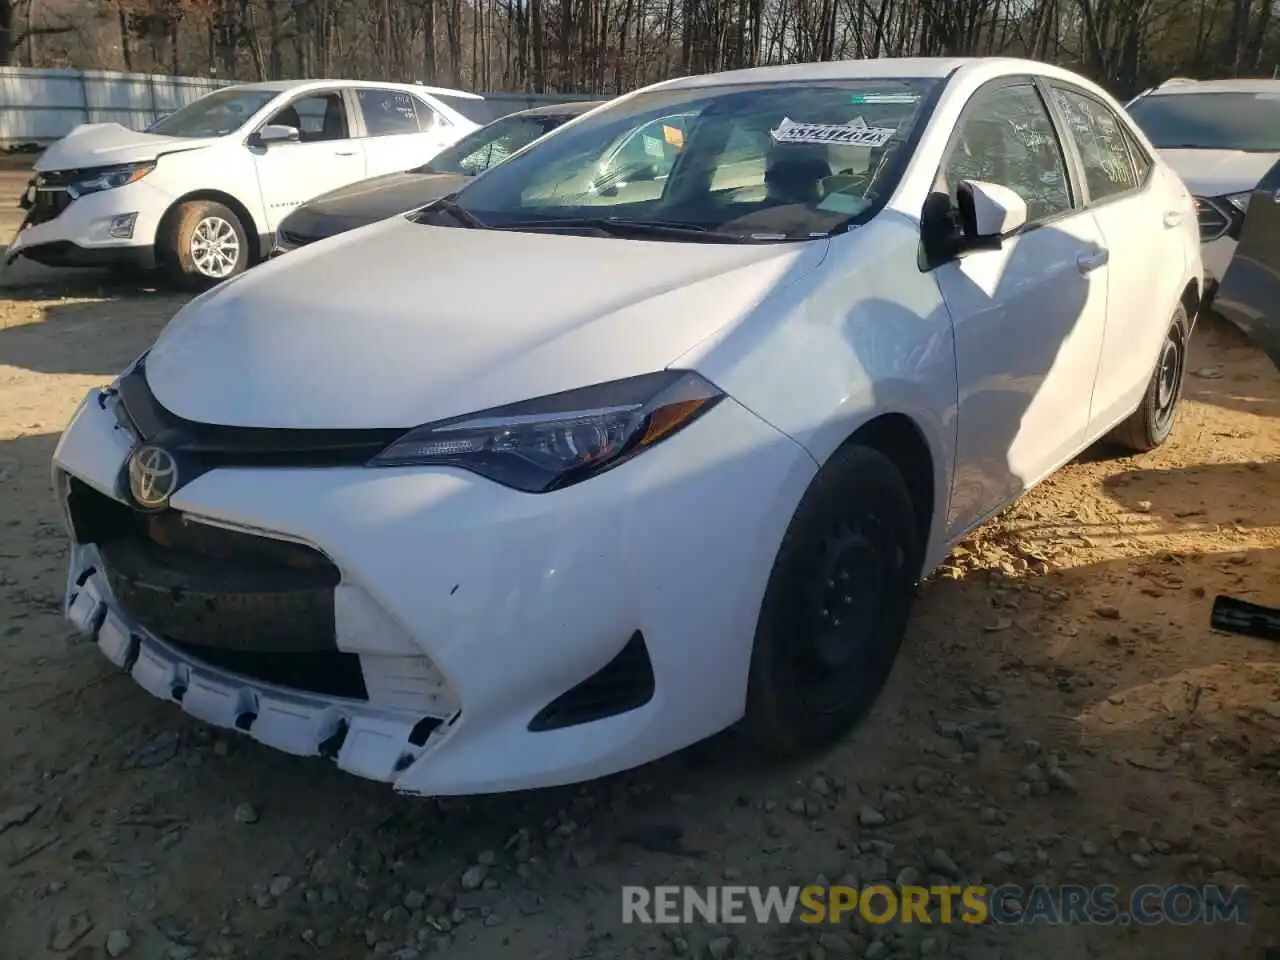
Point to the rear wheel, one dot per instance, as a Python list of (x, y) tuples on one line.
[(836, 605), (1150, 425), (205, 243)]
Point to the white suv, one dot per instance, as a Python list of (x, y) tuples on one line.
[(202, 191), (1220, 137)]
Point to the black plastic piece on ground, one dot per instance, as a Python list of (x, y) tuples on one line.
[(1247, 619)]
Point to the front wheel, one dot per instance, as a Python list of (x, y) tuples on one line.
[(206, 243), (1150, 425), (836, 605)]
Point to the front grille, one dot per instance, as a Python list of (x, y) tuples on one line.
[(49, 202), (624, 683), (256, 606), (1214, 221), (206, 446)]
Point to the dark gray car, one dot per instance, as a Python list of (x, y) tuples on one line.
[(1249, 294), (363, 203)]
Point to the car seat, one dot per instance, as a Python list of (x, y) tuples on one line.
[(794, 172)]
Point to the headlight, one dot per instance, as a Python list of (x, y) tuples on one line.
[(108, 178), (1239, 200), (555, 441)]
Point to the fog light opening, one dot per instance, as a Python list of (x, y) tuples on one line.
[(122, 226)]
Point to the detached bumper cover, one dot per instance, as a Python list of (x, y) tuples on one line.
[(361, 739), (64, 253)]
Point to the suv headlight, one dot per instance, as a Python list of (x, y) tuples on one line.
[(108, 178), (552, 442), (1239, 200)]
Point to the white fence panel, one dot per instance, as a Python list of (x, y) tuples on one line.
[(39, 106)]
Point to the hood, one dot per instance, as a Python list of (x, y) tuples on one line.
[(367, 201), (104, 144), (400, 324), (1215, 173)]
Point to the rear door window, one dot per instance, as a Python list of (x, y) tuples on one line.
[(388, 113)]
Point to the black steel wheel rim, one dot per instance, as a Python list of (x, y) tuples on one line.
[(1169, 375), (835, 646)]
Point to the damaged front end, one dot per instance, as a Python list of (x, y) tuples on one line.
[(244, 630)]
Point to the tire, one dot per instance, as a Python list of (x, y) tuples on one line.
[(1150, 425), (813, 673), (205, 243)]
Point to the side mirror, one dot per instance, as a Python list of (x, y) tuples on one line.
[(988, 213), (278, 133)]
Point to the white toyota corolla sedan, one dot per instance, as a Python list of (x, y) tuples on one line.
[(647, 431)]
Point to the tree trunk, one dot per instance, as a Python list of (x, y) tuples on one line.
[(126, 44), (429, 41), (539, 63)]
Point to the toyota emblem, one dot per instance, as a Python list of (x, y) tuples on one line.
[(153, 476)]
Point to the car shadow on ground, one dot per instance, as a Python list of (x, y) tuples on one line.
[(1251, 387), (96, 330)]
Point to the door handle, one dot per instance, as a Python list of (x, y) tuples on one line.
[(344, 153), (1088, 262), (1172, 218)]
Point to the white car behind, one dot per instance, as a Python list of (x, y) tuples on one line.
[(557, 476), (202, 191), (1220, 137)]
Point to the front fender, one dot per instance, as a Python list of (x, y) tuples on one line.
[(866, 334)]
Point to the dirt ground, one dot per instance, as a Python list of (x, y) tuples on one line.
[(1062, 713)]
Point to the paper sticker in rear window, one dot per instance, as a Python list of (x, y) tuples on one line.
[(855, 133)]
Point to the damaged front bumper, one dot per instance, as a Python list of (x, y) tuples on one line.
[(502, 639), (361, 739)]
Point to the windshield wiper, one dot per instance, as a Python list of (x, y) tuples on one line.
[(631, 228), (462, 215)]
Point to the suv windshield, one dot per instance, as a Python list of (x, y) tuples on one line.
[(483, 148), (1211, 121), (779, 162), (215, 114)]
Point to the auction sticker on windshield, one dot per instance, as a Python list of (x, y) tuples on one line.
[(855, 133)]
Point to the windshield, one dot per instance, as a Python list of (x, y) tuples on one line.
[(478, 111), (481, 149), (1211, 121), (783, 161), (215, 114)]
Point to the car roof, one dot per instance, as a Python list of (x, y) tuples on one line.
[(560, 109), (288, 86), (883, 68), (1180, 85), (886, 67)]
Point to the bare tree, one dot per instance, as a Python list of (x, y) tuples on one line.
[(609, 46)]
